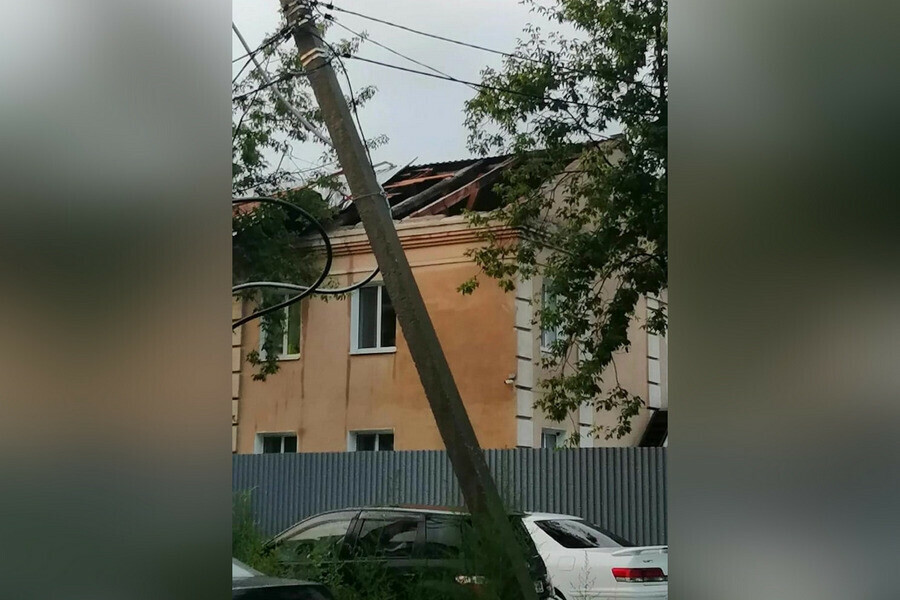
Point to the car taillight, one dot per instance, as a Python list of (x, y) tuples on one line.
[(630, 575)]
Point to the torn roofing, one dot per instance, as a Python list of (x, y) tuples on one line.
[(444, 188)]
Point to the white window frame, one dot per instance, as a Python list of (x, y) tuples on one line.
[(354, 325), (559, 433), (284, 340), (260, 436), (556, 333), (351, 438)]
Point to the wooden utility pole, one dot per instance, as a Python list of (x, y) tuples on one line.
[(466, 456)]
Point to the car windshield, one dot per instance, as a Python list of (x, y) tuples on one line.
[(574, 533)]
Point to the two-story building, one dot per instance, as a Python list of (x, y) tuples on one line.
[(347, 381)]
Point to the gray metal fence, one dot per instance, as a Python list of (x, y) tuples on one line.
[(621, 489)]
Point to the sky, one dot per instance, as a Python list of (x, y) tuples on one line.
[(422, 117)]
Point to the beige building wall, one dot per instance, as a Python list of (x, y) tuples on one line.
[(490, 338), (634, 370), (328, 392)]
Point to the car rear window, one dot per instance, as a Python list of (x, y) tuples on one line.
[(573, 533)]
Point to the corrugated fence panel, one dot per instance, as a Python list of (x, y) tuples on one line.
[(620, 489)]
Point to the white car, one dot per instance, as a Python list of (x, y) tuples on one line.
[(586, 562)]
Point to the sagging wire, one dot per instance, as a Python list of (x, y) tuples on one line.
[(329, 256), (303, 290), (367, 38)]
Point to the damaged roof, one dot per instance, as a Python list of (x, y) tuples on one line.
[(442, 188)]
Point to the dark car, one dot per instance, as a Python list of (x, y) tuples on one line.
[(249, 584), (425, 545)]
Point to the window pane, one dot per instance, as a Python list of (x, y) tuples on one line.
[(549, 439), (290, 443), (388, 321), (548, 336), (365, 442), (443, 538), (570, 533), (271, 444), (385, 441), (368, 314), (322, 539), (385, 538), (330, 530), (398, 539), (293, 329)]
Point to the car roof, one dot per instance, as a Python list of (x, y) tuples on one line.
[(416, 508), (410, 508), (541, 516)]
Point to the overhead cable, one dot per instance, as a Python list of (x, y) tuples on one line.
[(548, 99), (267, 80), (329, 256), (330, 6), (304, 291), (277, 37), (380, 45)]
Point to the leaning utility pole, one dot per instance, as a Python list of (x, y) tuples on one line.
[(456, 430)]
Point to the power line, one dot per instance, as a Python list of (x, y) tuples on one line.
[(250, 104), (241, 71), (280, 36), (315, 167), (330, 6), (293, 109), (380, 45), (329, 254), (491, 87), (280, 79)]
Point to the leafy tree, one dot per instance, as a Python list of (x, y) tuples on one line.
[(267, 243), (601, 244)]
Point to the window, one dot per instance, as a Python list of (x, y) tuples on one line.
[(548, 335), (276, 443), (371, 441), (571, 533), (443, 538), (373, 325), (387, 537), (551, 438), (290, 339), (322, 537), (657, 432)]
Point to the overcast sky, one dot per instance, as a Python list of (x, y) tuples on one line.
[(423, 117)]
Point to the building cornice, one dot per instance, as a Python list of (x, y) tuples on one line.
[(418, 233)]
